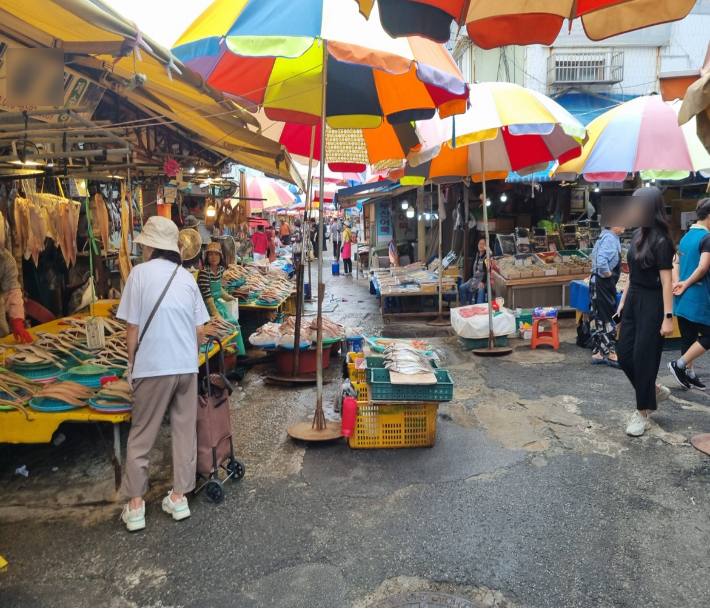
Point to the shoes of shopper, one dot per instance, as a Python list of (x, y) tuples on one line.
[(598, 361), (637, 425), (179, 509), (663, 394), (134, 519), (695, 383), (613, 363), (679, 375)]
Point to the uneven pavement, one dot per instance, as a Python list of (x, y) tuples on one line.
[(533, 495)]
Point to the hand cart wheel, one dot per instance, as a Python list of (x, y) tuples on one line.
[(236, 469), (214, 491)]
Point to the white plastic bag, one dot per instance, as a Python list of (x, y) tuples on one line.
[(477, 325)]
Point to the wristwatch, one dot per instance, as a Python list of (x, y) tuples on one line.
[(669, 315)]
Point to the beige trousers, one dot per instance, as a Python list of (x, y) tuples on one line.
[(152, 396)]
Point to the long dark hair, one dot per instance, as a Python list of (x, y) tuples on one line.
[(648, 236), (167, 255)]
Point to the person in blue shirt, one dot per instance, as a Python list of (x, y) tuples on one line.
[(691, 297), (606, 268)]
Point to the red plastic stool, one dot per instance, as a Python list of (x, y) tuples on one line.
[(551, 337)]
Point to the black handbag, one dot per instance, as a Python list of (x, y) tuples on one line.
[(584, 333)]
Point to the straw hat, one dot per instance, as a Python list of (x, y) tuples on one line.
[(189, 243), (159, 233), (214, 247)]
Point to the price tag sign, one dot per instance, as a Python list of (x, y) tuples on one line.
[(566, 258), (527, 262), (523, 241), (518, 263)]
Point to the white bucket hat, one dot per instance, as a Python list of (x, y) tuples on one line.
[(159, 233)]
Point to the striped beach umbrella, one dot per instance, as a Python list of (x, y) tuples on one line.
[(641, 135), (273, 194)]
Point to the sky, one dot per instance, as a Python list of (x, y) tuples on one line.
[(162, 21)]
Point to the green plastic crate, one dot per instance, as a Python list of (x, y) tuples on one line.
[(381, 389), (482, 343), (378, 363)]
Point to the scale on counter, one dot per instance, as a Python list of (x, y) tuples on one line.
[(569, 237)]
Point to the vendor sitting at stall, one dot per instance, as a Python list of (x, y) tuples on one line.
[(215, 296), (476, 286)]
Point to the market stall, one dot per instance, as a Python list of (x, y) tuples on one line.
[(28, 418), (412, 290)]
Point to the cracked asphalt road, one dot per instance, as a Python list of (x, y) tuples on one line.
[(532, 496)]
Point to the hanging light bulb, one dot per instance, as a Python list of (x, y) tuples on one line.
[(488, 202), (653, 181), (405, 204), (192, 170), (504, 198), (596, 187), (427, 216), (410, 212)]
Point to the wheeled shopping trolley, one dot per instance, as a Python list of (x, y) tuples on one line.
[(215, 449)]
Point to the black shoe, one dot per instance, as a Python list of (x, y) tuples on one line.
[(679, 375), (696, 383)]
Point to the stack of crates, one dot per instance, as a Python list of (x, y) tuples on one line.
[(382, 424)]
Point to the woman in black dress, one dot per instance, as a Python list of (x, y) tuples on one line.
[(646, 309)]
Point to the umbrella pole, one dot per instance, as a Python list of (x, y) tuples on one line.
[(440, 321), (492, 350), (319, 429), (319, 422), (299, 271)]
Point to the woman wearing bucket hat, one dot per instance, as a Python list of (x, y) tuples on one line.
[(209, 280), (165, 317)]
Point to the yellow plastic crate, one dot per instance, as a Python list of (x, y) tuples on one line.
[(290, 305), (355, 375), (361, 388), (410, 425)]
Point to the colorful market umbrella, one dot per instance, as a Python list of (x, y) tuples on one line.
[(346, 150), (506, 128), (319, 62), (496, 23), (273, 194), (698, 153), (641, 135), (521, 129), (271, 55)]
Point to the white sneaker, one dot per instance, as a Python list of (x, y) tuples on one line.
[(638, 425), (179, 509), (134, 519), (663, 394)]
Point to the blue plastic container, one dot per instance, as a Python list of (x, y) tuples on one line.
[(336, 268), (354, 345), (307, 291)]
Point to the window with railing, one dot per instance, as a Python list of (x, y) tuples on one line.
[(580, 67)]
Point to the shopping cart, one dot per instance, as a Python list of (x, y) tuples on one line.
[(215, 449)]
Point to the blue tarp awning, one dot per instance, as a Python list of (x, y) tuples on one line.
[(586, 106)]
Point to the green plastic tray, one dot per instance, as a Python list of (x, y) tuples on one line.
[(378, 363), (382, 390)]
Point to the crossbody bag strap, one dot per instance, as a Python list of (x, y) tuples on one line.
[(155, 308)]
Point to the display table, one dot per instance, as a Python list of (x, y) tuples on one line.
[(39, 427), (553, 291), (393, 304)]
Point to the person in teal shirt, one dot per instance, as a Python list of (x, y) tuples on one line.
[(691, 298)]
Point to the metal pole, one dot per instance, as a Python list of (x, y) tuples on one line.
[(466, 236), (299, 271), (485, 228), (441, 255), (319, 418)]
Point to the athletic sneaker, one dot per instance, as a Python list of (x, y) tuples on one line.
[(695, 382), (134, 519), (637, 425), (663, 394), (179, 510), (679, 375)]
